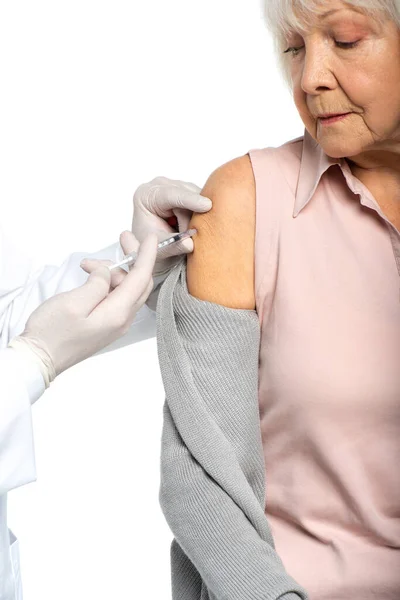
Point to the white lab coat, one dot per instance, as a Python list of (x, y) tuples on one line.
[(22, 289)]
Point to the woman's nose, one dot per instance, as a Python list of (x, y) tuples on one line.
[(317, 74)]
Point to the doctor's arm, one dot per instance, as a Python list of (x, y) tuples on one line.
[(21, 384), (64, 330), (24, 287)]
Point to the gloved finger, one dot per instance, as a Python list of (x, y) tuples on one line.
[(89, 295), (137, 292), (90, 264), (179, 221), (165, 198), (142, 299), (183, 216), (192, 187), (128, 242), (127, 298)]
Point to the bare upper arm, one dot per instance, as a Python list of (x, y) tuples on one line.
[(221, 267)]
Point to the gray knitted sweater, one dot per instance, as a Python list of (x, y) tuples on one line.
[(212, 487)]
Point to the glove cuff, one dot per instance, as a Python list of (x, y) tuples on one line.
[(33, 350)]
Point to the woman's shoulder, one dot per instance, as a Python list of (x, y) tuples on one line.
[(236, 172), (221, 267)]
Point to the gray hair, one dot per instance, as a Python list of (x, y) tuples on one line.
[(280, 17)]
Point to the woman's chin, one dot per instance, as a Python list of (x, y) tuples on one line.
[(339, 148)]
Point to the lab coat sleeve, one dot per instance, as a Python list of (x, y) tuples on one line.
[(23, 287), (21, 384)]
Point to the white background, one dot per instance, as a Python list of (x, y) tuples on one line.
[(96, 98)]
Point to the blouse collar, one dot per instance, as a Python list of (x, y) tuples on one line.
[(314, 163)]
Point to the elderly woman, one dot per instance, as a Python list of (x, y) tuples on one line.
[(319, 259)]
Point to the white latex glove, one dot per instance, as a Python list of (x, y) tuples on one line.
[(71, 326), (158, 200), (153, 203)]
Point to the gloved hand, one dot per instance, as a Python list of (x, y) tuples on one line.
[(154, 203), (161, 199), (71, 326)]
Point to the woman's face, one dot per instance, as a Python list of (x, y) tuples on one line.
[(346, 62)]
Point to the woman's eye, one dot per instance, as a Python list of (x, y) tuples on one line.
[(293, 51), (346, 45), (343, 45)]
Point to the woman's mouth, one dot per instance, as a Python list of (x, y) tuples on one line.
[(332, 118)]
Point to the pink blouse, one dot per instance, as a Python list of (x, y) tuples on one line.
[(327, 267)]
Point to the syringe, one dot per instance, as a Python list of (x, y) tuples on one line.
[(130, 258)]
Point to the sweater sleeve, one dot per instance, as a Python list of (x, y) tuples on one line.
[(212, 486)]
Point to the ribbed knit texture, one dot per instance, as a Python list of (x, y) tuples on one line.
[(212, 488)]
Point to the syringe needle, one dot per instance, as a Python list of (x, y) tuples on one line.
[(130, 258)]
